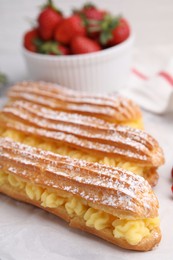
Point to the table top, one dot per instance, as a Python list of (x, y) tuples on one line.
[(30, 233)]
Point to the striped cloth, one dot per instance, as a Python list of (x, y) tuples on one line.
[(153, 93)]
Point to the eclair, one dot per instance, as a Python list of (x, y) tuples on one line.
[(111, 203), (118, 110), (82, 137)]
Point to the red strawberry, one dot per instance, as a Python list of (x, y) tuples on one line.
[(92, 16), (95, 14), (29, 38), (114, 30), (90, 11), (81, 45), (93, 20), (48, 20), (64, 50), (120, 33), (68, 29)]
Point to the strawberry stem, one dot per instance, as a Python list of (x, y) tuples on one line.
[(50, 2), (89, 5)]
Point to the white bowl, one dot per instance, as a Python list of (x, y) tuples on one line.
[(98, 72)]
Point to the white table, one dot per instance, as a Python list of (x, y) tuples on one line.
[(29, 233)]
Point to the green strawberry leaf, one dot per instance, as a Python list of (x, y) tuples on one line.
[(49, 47), (108, 24), (105, 37), (84, 19), (89, 5), (52, 6)]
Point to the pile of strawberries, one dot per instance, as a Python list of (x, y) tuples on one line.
[(86, 30)]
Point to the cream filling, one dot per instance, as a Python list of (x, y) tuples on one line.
[(133, 231), (73, 153), (138, 123)]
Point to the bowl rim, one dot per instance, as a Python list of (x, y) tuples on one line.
[(117, 48)]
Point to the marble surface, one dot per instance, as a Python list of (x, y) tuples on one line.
[(29, 233)]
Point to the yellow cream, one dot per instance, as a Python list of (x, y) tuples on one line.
[(97, 219), (73, 153), (139, 124), (122, 164), (75, 206), (51, 200), (13, 134), (15, 182), (133, 231), (152, 222), (33, 192), (30, 141)]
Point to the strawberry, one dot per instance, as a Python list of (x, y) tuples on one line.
[(81, 45), (68, 29), (91, 12), (92, 16), (53, 48), (120, 33), (114, 30), (29, 39), (64, 50), (48, 20)]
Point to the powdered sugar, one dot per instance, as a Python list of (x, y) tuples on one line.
[(105, 185), (40, 92), (120, 147)]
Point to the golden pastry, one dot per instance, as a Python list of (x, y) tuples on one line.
[(111, 203), (82, 137), (119, 110)]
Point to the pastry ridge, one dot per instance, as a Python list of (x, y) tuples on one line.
[(86, 133), (113, 109)]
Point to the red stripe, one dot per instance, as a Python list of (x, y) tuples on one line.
[(166, 76), (163, 74), (139, 74)]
